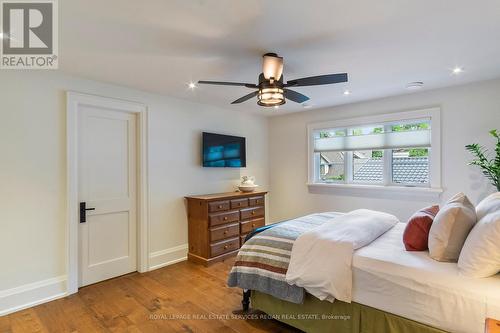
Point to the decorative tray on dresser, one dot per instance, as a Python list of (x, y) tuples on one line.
[(218, 223)]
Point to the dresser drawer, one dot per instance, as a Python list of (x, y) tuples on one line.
[(224, 246), (248, 226), (250, 213), (256, 201), (226, 231), (218, 206), (239, 203), (221, 218)]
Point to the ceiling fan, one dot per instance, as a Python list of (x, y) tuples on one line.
[(271, 91)]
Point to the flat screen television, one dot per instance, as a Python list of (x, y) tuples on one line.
[(223, 151)]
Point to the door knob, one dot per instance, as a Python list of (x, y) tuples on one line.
[(83, 212)]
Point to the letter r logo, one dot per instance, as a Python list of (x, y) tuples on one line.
[(28, 27)]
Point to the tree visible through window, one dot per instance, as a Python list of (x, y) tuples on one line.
[(410, 127)]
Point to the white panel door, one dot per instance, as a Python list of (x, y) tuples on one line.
[(107, 184)]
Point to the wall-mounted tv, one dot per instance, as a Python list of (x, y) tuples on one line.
[(223, 151)]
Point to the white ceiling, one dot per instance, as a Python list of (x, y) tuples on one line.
[(162, 45)]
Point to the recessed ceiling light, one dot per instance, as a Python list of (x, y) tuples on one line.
[(457, 70), (306, 105), (191, 85), (276, 106), (415, 85), (347, 92)]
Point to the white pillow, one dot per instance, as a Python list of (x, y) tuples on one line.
[(480, 256), (450, 228), (488, 205)]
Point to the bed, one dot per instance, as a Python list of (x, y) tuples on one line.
[(393, 290)]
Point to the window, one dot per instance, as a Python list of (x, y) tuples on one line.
[(410, 166), (368, 166), (389, 150)]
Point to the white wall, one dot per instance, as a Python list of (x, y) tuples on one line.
[(33, 171), (468, 113)]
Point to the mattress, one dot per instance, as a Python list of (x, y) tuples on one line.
[(414, 286)]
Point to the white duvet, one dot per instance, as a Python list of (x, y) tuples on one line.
[(321, 259), (412, 285)]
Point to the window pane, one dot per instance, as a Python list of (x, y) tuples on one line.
[(410, 127), (331, 166), (367, 130), (332, 133), (410, 166), (368, 166)]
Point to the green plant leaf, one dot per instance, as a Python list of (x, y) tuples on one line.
[(497, 149), (490, 168)]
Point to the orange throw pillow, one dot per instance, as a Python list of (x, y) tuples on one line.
[(416, 234)]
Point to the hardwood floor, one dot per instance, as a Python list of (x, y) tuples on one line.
[(184, 297)]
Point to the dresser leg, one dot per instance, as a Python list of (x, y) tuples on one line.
[(246, 300)]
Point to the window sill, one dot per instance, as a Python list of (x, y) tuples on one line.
[(372, 190)]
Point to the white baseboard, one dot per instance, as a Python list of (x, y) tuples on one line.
[(31, 294), (167, 257)]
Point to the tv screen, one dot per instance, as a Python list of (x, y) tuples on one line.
[(223, 151)]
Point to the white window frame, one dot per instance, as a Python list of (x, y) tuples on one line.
[(434, 185)]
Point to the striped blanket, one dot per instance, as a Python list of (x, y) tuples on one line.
[(262, 261)]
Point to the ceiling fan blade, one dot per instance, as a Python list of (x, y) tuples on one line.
[(220, 83), (245, 98), (318, 80), (295, 96)]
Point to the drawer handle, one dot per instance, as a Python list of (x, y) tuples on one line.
[(225, 218), (239, 203), (253, 212), (225, 232), (220, 206), (225, 247), (258, 201), (253, 225)]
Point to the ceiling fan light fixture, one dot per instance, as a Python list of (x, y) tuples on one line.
[(272, 66), (272, 96), (272, 91)]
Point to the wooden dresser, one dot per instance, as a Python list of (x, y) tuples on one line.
[(492, 326), (218, 223)]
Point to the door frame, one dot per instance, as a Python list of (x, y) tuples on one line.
[(74, 100)]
